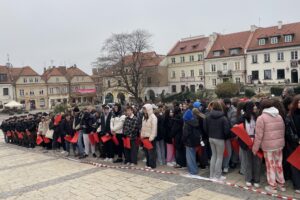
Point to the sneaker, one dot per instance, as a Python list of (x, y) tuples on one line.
[(133, 165), (94, 155), (68, 154), (144, 160), (297, 191), (177, 166), (105, 159), (62, 152), (222, 178), (271, 190), (282, 188), (256, 185), (119, 160), (248, 184), (110, 160), (225, 170), (170, 164)]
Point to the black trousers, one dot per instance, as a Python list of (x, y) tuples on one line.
[(119, 149), (109, 149), (180, 156), (151, 156), (132, 153)]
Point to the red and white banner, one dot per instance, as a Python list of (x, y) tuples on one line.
[(86, 91)]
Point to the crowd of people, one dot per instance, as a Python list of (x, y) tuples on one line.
[(196, 135)]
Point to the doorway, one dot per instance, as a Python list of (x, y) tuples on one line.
[(294, 76)]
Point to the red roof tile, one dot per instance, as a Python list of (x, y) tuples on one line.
[(54, 71), (28, 71), (189, 46), (74, 71), (293, 28), (230, 41), (149, 59)]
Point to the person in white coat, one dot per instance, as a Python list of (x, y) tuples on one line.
[(149, 131), (116, 127)]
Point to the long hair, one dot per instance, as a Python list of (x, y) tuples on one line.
[(216, 105), (294, 106), (265, 103), (277, 104), (249, 111)]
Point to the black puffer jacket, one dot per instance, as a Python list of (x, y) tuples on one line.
[(292, 133), (176, 130), (216, 125), (160, 127), (191, 133)]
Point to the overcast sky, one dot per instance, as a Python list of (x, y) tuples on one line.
[(34, 32)]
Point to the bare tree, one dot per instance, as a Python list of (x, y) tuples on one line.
[(123, 53)]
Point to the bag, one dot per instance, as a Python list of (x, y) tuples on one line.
[(96, 137), (126, 141), (59, 140), (105, 138), (75, 138), (49, 134), (147, 144), (115, 140), (92, 139), (294, 158), (235, 146), (39, 140), (68, 138), (46, 140)]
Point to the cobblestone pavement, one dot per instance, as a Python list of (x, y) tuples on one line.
[(33, 174)]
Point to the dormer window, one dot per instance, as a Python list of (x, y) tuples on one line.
[(195, 46), (288, 38), (182, 48), (274, 40), (234, 51), (262, 41), (217, 53)]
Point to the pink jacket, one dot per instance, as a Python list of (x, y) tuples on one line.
[(269, 131)]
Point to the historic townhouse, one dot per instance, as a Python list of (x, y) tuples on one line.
[(82, 87), (186, 64), (226, 61), (273, 55), (57, 85), (7, 92), (30, 88)]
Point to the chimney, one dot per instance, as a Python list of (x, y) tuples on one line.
[(253, 28), (279, 24), (44, 69)]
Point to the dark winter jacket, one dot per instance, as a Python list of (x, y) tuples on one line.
[(160, 127), (216, 125), (105, 125), (176, 130), (87, 123), (292, 133), (191, 131)]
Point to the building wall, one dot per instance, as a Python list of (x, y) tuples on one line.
[(236, 65), (32, 90), (6, 98), (273, 65), (186, 67)]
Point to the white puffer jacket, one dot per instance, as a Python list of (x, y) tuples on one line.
[(149, 127), (116, 124)]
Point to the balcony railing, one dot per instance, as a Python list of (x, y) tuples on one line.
[(295, 63), (187, 79), (225, 73)]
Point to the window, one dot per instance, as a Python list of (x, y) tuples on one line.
[(31, 92), (30, 80), (36, 80), (182, 88), (214, 82), (21, 92), (274, 40), (57, 79), (173, 88), (57, 90), (173, 74), (294, 55), (261, 41), (120, 82), (237, 66), (200, 57), (217, 53), (108, 83), (254, 58), (213, 67), (182, 59), (268, 74), (234, 51), (41, 92), (25, 80), (280, 56), (182, 73), (5, 91), (280, 73), (255, 75), (51, 90), (149, 81), (191, 58), (3, 77), (192, 73), (225, 66), (288, 38), (173, 60), (42, 102), (192, 88), (267, 57), (200, 72), (238, 80)]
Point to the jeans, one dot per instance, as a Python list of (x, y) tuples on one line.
[(80, 143), (68, 146), (161, 152), (242, 160), (150, 156), (226, 160), (253, 167), (191, 160), (132, 153), (217, 148)]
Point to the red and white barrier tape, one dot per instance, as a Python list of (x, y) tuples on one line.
[(279, 196)]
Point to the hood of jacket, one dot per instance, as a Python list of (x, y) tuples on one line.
[(271, 111), (215, 114), (149, 109)]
